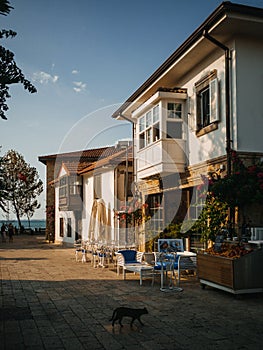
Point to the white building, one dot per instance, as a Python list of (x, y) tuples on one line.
[(203, 102), (84, 188)]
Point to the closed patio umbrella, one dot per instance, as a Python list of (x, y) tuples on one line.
[(92, 224), (108, 236), (101, 219)]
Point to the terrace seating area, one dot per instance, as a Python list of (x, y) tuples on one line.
[(168, 263)]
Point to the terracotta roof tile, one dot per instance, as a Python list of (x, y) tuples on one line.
[(81, 162), (82, 156), (116, 158)]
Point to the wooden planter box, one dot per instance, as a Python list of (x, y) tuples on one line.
[(243, 275)]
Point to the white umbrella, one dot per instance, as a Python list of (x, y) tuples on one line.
[(92, 223), (101, 219)]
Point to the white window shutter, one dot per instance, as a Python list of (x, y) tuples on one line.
[(214, 107), (192, 124)]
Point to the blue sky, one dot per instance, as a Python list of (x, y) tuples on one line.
[(86, 57)]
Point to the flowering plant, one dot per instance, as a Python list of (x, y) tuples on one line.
[(133, 213), (242, 187)]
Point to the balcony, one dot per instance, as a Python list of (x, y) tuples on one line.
[(162, 157)]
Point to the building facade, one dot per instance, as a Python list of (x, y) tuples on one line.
[(202, 103), (83, 191)]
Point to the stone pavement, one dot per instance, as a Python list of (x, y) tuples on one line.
[(50, 301)]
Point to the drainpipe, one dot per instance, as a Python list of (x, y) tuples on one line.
[(227, 96)]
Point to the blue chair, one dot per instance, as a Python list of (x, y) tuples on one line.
[(164, 263), (128, 257)]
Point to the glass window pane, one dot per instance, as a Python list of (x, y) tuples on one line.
[(142, 140), (174, 110), (148, 119), (148, 136), (155, 114), (174, 130), (142, 123), (205, 107), (156, 132)]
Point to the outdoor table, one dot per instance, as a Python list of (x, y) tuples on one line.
[(142, 269)]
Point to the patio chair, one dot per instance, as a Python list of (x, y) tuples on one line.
[(185, 263), (128, 257), (180, 263), (164, 263), (80, 248)]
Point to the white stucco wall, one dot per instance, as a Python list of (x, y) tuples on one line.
[(249, 78), (210, 145)]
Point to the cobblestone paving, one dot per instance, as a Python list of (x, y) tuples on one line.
[(50, 301)]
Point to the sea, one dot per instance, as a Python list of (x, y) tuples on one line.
[(34, 224)]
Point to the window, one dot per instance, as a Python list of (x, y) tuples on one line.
[(197, 204), (61, 227), (142, 140), (174, 124), (69, 228), (148, 119), (97, 186), (155, 114), (155, 210), (74, 185), (142, 123), (174, 130), (63, 187), (207, 111), (174, 110), (149, 138), (149, 127)]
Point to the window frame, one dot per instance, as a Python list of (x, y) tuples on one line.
[(61, 227), (207, 114), (173, 113), (63, 187), (172, 118)]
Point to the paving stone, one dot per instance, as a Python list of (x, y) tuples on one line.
[(49, 301)]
